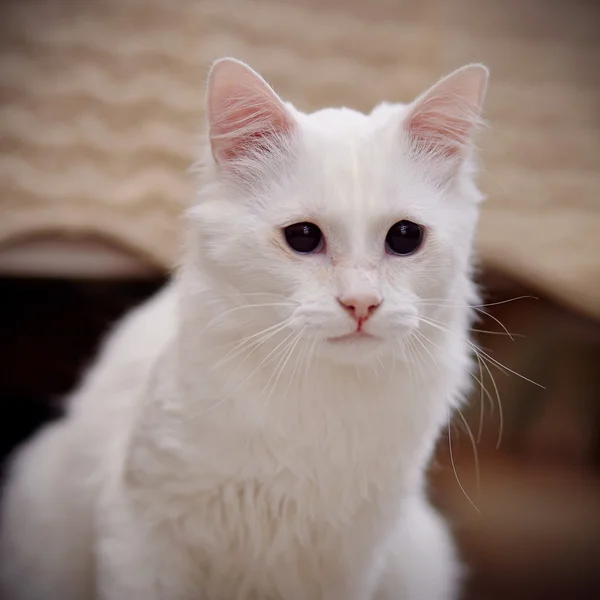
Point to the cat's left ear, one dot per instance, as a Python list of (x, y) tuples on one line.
[(440, 123), (245, 116)]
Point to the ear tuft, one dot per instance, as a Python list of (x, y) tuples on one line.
[(245, 115), (441, 121)]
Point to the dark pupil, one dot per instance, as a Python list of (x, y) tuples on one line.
[(404, 237), (303, 237)]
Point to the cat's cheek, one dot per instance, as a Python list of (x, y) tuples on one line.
[(306, 271)]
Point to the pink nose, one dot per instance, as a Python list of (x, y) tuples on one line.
[(361, 307)]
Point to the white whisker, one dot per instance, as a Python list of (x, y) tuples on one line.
[(469, 432), (460, 485), (278, 370), (500, 411), (245, 307), (453, 304), (246, 341), (473, 445), (261, 364)]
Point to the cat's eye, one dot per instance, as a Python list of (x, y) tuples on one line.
[(403, 238), (304, 238)]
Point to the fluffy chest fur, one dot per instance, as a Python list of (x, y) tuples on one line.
[(290, 475)]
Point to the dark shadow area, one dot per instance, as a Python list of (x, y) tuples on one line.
[(50, 332)]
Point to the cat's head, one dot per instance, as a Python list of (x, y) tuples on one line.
[(344, 228)]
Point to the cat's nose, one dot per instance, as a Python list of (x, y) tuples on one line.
[(360, 306)]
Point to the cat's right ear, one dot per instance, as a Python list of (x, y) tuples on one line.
[(440, 123), (245, 115)]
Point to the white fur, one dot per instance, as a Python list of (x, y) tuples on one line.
[(197, 463)]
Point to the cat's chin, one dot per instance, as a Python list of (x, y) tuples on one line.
[(352, 349)]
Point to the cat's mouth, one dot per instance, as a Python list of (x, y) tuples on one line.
[(355, 336)]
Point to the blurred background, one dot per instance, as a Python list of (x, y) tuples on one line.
[(101, 108)]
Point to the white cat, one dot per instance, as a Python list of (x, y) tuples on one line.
[(261, 428)]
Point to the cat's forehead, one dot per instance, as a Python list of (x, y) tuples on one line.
[(353, 195), (343, 122), (352, 172), (338, 119), (340, 142), (355, 164)]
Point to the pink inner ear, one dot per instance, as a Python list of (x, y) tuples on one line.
[(245, 126), (441, 126), (246, 117)]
